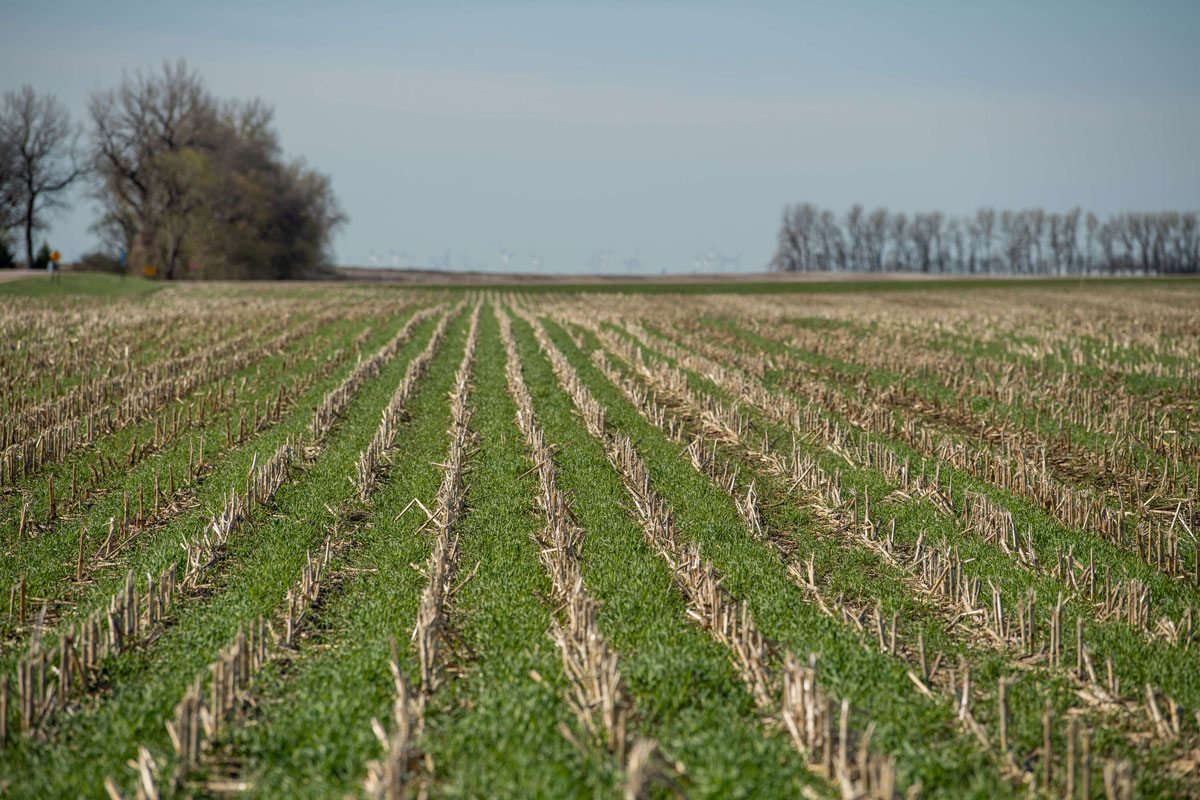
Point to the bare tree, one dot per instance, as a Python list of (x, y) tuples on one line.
[(10, 217), (1057, 245), (876, 238), (935, 222), (898, 231), (1092, 224), (956, 245), (789, 248), (919, 233), (1187, 247), (1029, 241), (139, 131), (42, 145), (1164, 226), (985, 233), (856, 237), (1106, 237), (797, 236), (833, 243), (1139, 228), (1013, 239), (1070, 234), (1035, 227)]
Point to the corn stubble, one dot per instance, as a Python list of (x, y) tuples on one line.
[(598, 695), (856, 772), (1022, 473), (393, 775)]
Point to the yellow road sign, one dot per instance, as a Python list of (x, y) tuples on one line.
[(55, 256), (150, 271)]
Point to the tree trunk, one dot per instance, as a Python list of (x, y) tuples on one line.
[(29, 231)]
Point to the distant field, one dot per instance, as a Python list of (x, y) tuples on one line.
[(342, 539)]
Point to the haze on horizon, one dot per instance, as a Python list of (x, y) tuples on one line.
[(544, 135)]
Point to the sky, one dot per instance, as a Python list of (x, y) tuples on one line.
[(643, 137)]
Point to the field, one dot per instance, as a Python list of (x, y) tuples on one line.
[(328, 540)]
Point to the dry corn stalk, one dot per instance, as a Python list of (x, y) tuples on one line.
[(372, 457), (856, 772), (442, 561), (597, 689)]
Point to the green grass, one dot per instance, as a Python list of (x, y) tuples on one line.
[(685, 689), (1135, 660), (841, 374), (261, 565), (258, 382), (875, 684), (311, 735), (48, 560), (78, 284), (493, 728)]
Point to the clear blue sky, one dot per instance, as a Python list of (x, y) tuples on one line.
[(661, 130)]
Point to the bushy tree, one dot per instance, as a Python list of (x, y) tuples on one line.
[(199, 188)]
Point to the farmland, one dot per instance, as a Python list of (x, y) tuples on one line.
[(319, 540)]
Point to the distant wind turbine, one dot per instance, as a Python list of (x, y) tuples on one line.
[(633, 264), (704, 262), (598, 262)]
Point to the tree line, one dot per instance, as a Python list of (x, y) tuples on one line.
[(188, 185), (1025, 242)]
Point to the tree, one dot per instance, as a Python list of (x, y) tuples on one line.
[(1070, 239), (1057, 245), (198, 187), (10, 203), (935, 227), (1035, 226), (833, 244), (898, 230), (1106, 237), (856, 237), (9, 216), (794, 251), (876, 238), (985, 227), (1013, 238), (7, 258), (919, 233), (42, 259), (143, 189), (1029, 241), (1092, 224), (956, 245), (42, 146), (1187, 247)]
